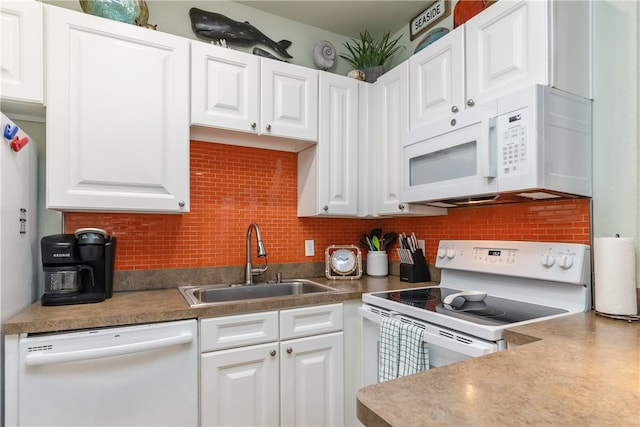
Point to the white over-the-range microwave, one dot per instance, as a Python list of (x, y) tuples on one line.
[(531, 144)]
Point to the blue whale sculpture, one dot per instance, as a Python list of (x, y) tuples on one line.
[(215, 26)]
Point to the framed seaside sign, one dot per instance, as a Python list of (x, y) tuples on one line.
[(434, 13)]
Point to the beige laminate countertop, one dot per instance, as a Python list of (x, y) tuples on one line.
[(578, 370), (127, 308), (575, 370)]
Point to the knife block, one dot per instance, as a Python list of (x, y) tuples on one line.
[(416, 272)]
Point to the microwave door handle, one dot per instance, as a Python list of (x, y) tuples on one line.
[(487, 149)]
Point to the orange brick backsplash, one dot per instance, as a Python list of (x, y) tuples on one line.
[(233, 186)]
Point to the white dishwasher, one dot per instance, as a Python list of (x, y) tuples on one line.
[(142, 375)]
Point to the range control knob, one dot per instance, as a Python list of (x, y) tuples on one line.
[(451, 254), (548, 260), (442, 253), (565, 262)]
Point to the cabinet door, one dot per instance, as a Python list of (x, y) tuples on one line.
[(436, 79), (338, 145), (312, 381), (507, 49), (289, 95), (392, 89), (21, 55), (239, 387), (224, 88), (117, 116), (391, 122), (328, 170)]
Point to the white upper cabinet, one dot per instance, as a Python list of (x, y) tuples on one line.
[(328, 171), (225, 88), (21, 55), (390, 121), (508, 46), (117, 116), (237, 91), (289, 100), (436, 78)]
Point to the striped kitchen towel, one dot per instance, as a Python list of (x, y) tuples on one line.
[(402, 350), (413, 356), (388, 351)]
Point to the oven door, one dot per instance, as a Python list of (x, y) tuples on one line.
[(451, 158), (445, 346)]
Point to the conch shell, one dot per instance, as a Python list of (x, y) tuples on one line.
[(324, 55)]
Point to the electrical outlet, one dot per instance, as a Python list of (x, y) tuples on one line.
[(309, 248)]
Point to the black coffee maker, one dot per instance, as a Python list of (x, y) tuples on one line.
[(78, 268)]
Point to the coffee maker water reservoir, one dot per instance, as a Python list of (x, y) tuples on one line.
[(78, 268)]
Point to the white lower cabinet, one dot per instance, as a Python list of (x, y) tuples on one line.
[(311, 381), (273, 368), (239, 387)]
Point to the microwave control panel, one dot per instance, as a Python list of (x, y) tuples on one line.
[(513, 136)]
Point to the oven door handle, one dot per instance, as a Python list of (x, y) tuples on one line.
[(448, 339), (472, 349), (375, 318)]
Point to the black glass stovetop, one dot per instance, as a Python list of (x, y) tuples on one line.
[(490, 311)]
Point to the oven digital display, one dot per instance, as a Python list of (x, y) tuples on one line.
[(495, 256)]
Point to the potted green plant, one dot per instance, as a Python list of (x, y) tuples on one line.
[(369, 56)]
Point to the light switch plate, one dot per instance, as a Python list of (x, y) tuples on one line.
[(309, 248)]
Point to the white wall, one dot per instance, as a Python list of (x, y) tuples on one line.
[(172, 17), (616, 128)]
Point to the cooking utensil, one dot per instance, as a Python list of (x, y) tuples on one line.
[(364, 243), (370, 244), (473, 306), (414, 241), (376, 243), (389, 239), (467, 295)]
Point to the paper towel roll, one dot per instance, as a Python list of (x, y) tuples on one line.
[(615, 275)]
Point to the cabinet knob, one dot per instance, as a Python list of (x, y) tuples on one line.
[(289, 350), (470, 102), (273, 352), (253, 125), (269, 128), (453, 122), (454, 109), (325, 208), (181, 203), (401, 206)]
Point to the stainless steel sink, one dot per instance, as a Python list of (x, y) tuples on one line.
[(202, 295)]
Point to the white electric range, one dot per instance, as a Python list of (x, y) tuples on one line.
[(486, 287)]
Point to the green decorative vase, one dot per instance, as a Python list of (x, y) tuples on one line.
[(118, 10)]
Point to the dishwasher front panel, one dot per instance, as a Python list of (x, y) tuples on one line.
[(143, 375)]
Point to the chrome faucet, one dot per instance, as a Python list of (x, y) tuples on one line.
[(262, 253)]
